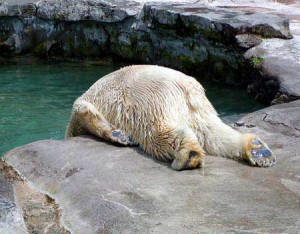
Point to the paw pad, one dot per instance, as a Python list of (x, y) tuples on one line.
[(117, 133), (263, 152), (121, 138), (257, 142), (261, 155)]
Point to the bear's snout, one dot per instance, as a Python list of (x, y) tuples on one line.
[(190, 164)]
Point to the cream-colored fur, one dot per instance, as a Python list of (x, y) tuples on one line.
[(163, 110)]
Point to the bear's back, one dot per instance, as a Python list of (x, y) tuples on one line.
[(144, 96)]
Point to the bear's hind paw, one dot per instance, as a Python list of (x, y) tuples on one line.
[(260, 155)]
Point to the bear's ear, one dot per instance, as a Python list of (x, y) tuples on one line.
[(193, 154)]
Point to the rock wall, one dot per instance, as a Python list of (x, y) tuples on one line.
[(202, 40)]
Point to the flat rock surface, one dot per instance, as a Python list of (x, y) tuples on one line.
[(105, 188), (217, 19)]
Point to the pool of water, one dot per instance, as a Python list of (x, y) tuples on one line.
[(36, 98)]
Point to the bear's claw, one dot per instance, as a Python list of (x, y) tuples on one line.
[(120, 137), (260, 155)]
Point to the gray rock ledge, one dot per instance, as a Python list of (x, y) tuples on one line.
[(102, 188)]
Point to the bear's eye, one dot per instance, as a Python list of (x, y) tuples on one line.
[(192, 154)]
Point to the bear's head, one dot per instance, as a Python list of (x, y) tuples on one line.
[(188, 153)]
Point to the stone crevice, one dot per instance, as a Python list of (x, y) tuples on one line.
[(280, 123), (273, 119), (252, 122), (39, 211)]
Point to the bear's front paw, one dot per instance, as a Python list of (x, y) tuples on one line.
[(121, 138), (259, 154)]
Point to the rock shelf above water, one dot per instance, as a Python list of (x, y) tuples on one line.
[(208, 39)]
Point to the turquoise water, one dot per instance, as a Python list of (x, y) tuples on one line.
[(36, 98)]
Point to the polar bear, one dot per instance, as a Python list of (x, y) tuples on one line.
[(166, 113)]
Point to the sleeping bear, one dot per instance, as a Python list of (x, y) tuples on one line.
[(166, 113)]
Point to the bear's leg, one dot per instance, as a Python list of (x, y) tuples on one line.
[(92, 120), (222, 140), (257, 152)]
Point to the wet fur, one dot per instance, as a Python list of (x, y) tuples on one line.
[(157, 106)]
